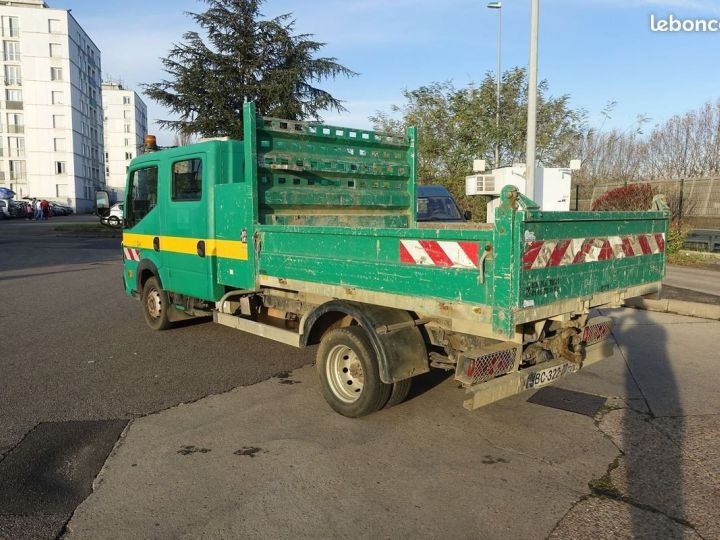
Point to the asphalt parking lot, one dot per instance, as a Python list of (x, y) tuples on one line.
[(108, 430), (75, 349)]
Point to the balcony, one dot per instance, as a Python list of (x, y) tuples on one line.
[(17, 175), (11, 57), (13, 82), (14, 105), (2, 176), (16, 152), (14, 128)]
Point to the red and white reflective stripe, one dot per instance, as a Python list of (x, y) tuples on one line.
[(131, 254), (550, 253), (437, 253)]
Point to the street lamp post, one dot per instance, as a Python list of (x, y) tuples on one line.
[(498, 6), (532, 98)]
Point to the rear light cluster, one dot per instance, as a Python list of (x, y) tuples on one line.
[(488, 366), (597, 330)]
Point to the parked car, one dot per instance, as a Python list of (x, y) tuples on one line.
[(17, 209), (115, 218), (434, 203), (4, 208), (58, 209)]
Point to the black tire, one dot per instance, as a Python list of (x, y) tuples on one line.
[(400, 391), (155, 304), (355, 390)]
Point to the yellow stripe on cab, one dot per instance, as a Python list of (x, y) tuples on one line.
[(225, 249)]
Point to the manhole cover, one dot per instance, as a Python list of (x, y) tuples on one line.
[(52, 470), (568, 400)]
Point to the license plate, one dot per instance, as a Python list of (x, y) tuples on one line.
[(544, 377)]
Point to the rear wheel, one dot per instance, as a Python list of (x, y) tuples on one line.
[(348, 371), (400, 391), (155, 305)]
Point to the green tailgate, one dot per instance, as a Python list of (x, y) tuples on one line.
[(546, 258)]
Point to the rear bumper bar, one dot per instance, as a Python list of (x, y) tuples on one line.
[(614, 298), (533, 378)]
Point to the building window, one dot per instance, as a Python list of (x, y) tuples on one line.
[(127, 142), (56, 74), (16, 123), (127, 128), (58, 98), (17, 170), (55, 50), (12, 51), (59, 145), (127, 114), (11, 27), (126, 100), (128, 155), (59, 167), (13, 76), (54, 26), (13, 95), (16, 147), (58, 121), (61, 190)]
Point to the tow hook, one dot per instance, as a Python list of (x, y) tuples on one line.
[(568, 345)]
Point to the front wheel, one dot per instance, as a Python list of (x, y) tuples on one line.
[(155, 305), (349, 376)]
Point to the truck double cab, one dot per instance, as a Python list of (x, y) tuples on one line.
[(307, 234)]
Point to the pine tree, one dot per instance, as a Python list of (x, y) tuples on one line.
[(243, 57)]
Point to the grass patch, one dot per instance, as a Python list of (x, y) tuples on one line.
[(695, 259), (603, 487)]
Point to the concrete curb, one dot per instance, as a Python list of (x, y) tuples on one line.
[(679, 307)]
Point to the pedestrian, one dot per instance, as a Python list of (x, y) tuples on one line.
[(35, 205), (45, 207), (28, 211)]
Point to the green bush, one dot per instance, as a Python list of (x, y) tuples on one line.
[(676, 239)]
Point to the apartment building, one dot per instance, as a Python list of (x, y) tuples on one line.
[(51, 119), (126, 125)]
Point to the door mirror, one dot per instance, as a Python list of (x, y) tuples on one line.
[(102, 203)]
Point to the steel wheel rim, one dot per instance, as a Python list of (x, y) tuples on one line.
[(345, 374), (154, 304)]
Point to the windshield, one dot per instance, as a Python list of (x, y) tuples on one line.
[(437, 209)]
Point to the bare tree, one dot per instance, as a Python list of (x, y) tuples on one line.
[(686, 146), (183, 139)]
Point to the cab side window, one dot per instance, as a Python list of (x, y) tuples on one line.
[(187, 180), (143, 194)]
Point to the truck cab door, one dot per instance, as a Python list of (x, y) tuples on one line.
[(142, 221), (186, 247)]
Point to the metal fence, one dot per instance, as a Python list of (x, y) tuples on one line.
[(702, 196)]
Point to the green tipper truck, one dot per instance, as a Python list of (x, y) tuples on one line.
[(307, 234)]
